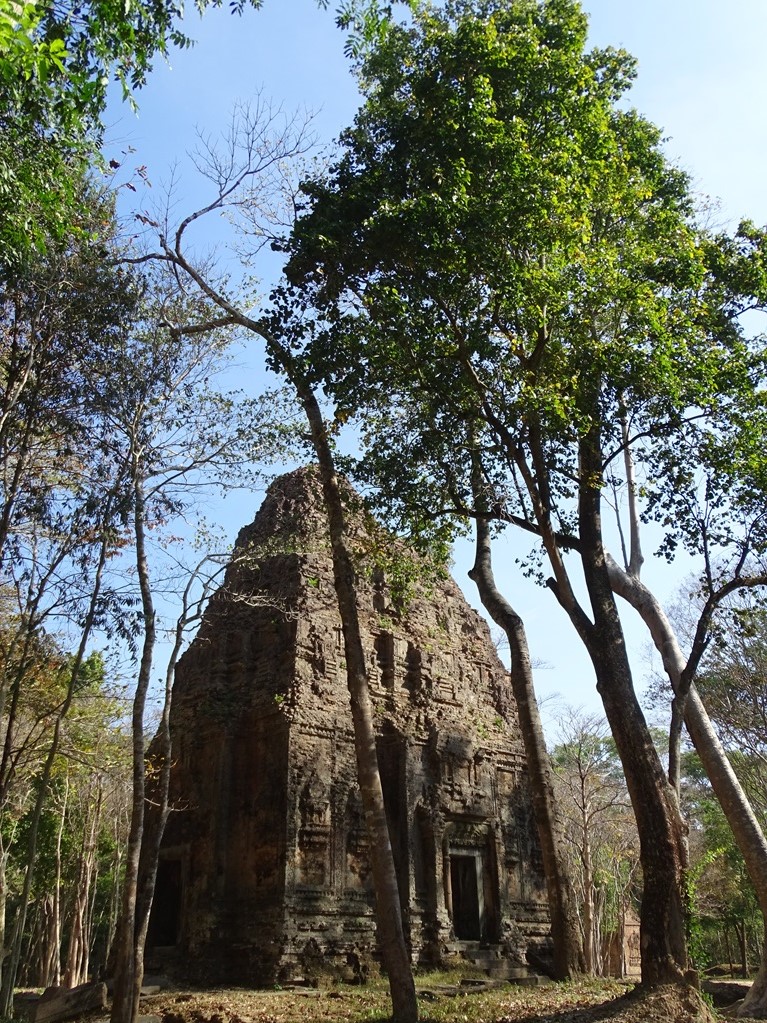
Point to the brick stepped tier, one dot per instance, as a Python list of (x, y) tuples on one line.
[(491, 960)]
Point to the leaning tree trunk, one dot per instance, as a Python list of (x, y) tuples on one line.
[(391, 935), (565, 932), (733, 800)]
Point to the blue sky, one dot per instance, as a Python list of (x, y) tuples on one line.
[(702, 79)]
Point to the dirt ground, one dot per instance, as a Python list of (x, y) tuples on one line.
[(587, 1002)]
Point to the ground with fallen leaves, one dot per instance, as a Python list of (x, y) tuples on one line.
[(586, 1002)]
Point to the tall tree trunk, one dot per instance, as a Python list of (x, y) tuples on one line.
[(56, 906), (79, 936), (115, 899), (19, 924), (565, 931), (391, 936), (735, 805), (129, 965), (598, 902), (93, 877), (742, 931), (661, 834), (162, 762), (5, 844), (659, 823)]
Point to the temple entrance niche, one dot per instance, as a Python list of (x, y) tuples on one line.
[(165, 917), (466, 887), (471, 884)]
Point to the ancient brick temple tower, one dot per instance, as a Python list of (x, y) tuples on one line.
[(264, 868)]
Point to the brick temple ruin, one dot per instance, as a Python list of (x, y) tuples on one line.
[(264, 872)]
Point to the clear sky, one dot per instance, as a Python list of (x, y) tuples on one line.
[(702, 79)]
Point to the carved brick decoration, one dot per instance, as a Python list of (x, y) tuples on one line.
[(264, 869)]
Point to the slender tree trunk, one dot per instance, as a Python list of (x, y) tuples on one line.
[(588, 900), (38, 966), (599, 911), (4, 855), (9, 706), (162, 758), (19, 924), (56, 906), (115, 900), (394, 953), (742, 932), (91, 888), (79, 938), (568, 953)]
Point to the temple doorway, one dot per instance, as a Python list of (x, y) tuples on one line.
[(165, 916), (466, 890)]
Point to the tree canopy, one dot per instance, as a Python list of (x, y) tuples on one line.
[(58, 61)]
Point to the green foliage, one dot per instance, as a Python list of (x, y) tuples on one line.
[(696, 938), (512, 293), (56, 63), (85, 790), (54, 71), (399, 572), (721, 896), (112, 430), (60, 487), (505, 250)]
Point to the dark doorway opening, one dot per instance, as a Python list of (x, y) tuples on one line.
[(465, 891), (166, 907)]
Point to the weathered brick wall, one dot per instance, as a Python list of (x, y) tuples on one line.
[(267, 831)]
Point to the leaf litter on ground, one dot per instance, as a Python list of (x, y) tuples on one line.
[(587, 1001)]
